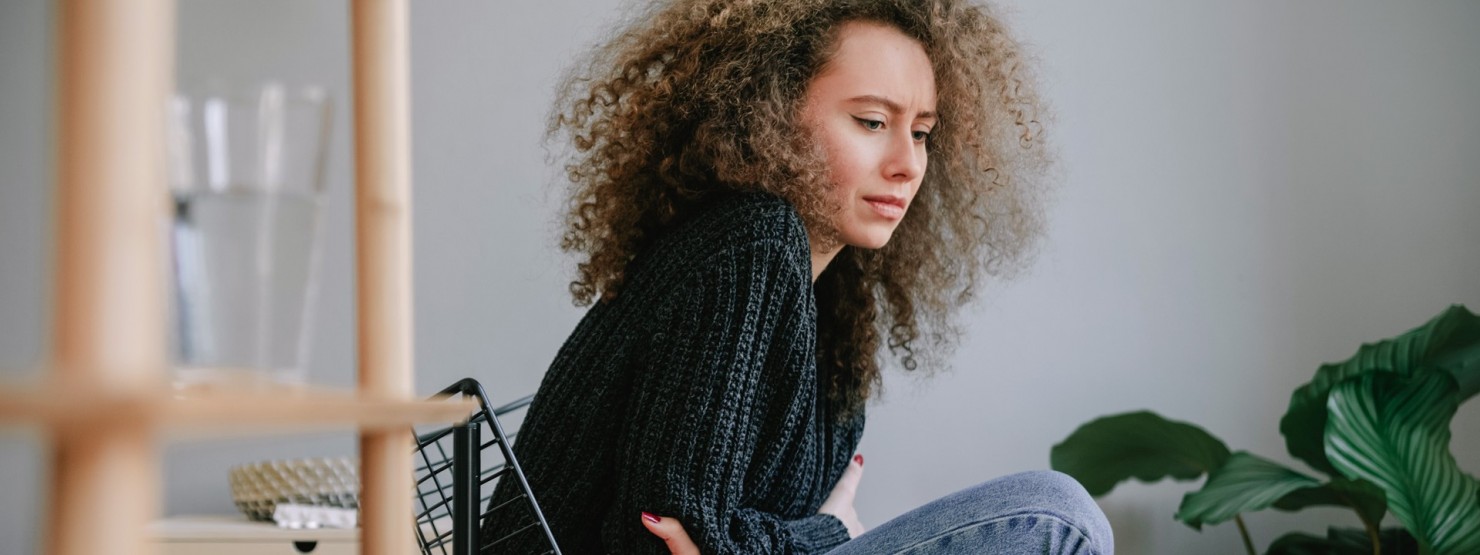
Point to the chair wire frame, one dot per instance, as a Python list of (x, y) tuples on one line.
[(452, 481)]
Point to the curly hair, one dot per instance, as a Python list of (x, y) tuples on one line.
[(697, 97)]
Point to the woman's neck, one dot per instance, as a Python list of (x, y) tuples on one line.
[(822, 255)]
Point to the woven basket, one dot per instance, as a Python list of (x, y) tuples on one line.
[(258, 488)]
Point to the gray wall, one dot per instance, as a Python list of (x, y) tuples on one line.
[(1249, 189)]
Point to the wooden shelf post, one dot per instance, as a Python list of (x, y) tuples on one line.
[(115, 71), (381, 38)]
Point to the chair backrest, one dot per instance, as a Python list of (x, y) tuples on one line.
[(457, 468)]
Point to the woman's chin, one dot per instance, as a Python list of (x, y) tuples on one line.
[(871, 240)]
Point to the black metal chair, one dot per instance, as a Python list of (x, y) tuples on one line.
[(457, 468)]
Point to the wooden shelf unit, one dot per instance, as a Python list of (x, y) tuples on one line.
[(103, 404)]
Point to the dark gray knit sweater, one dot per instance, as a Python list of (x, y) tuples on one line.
[(694, 394)]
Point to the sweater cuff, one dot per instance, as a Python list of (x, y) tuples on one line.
[(819, 533)]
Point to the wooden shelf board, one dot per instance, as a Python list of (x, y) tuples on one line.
[(289, 409)]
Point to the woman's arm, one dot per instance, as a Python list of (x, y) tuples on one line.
[(838, 504), (726, 390)]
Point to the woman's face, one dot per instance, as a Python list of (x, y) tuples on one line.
[(871, 108)]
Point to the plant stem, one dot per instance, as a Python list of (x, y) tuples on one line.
[(1371, 534), (1244, 531)]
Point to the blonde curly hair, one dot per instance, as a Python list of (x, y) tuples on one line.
[(697, 97)]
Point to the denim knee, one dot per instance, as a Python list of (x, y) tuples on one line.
[(1031, 512), (1061, 496)]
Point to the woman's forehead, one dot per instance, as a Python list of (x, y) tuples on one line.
[(876, 62)]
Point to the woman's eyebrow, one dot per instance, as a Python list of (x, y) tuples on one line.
[(890, 105)]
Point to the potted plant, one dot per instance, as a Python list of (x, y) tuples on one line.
[(1374, 427)]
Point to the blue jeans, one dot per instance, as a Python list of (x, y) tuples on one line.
[(1032, 512)]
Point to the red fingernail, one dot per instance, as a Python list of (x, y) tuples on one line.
[(651, 517), (858, 459)]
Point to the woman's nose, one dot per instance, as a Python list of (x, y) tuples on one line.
[(906, 159)]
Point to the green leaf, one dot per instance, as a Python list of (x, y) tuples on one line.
[(1449, 342), (1245, 483), (1394, 433), (1344, 541), (1139, 445), (1366, 499)]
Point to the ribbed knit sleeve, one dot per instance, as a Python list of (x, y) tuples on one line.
[(726, 384)]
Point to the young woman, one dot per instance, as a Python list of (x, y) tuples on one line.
[(770, 197)]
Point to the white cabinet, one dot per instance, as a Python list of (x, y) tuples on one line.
[(235, 535)]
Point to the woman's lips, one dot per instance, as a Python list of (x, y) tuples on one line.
[(888, 207)]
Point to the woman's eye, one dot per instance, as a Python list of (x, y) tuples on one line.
[(870, 124), (921, 136)]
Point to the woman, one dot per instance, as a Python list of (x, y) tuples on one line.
[(768, 193)]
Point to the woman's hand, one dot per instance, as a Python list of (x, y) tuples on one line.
[(839, 503), (671, 531)]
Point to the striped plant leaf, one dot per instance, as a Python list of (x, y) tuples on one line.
[(1245, 483), (1449, 342), (1140, 445), (1394, 432)]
